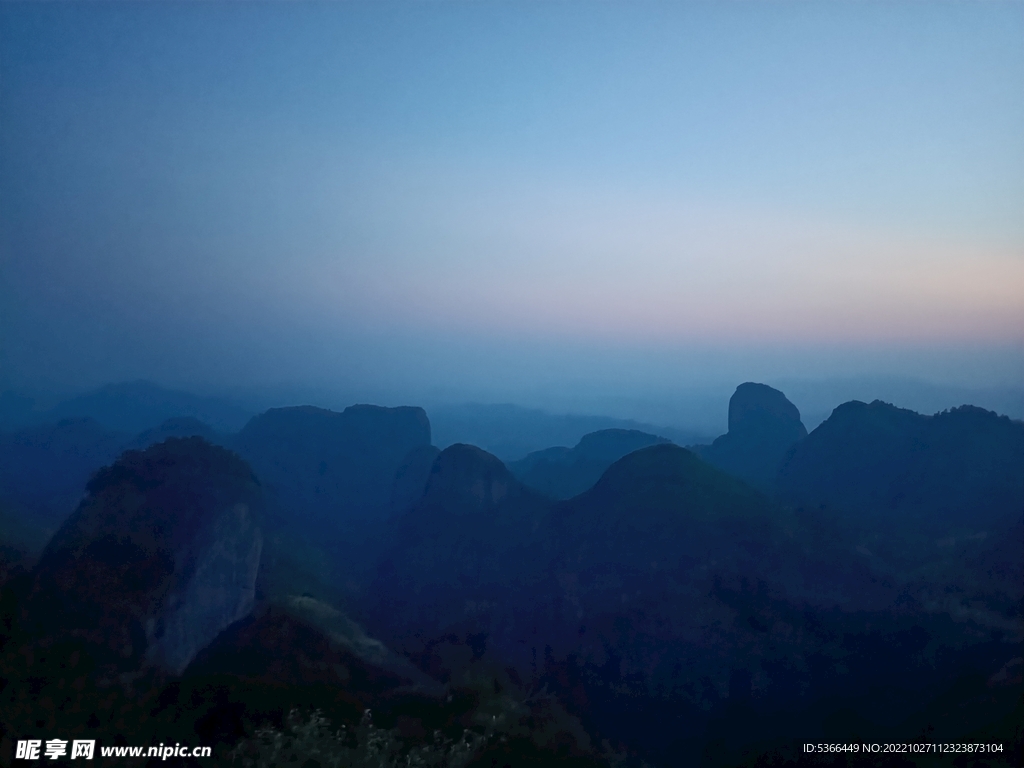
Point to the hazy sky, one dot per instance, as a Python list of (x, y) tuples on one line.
[(495, 199)]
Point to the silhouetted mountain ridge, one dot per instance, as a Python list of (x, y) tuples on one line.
[(957, 468), (510, 432), (480, 537), (668, 603), (138, 405), (565, 472)]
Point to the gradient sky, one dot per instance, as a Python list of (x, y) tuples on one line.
[(500, 199)]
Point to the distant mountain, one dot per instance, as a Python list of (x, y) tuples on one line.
[(672, 603), (562, 473), (668, 606), (673, 529), (470, 548), (141, 621), (326, 472), (139, 405), (331, 466), (763, 425), (44, 469), (481, 538), (510, 432), (330, 478), (959, 470), (818, 398), (181, 426)]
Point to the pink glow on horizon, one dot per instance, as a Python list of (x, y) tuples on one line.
[(635, 268)]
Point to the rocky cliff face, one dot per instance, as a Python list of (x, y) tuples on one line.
[(159, 557), (221, 563), (411, 478), (763, 426)]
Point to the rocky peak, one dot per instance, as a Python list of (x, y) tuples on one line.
[(160, 556), (758, 409), (763, 426), (321, 464), (468, 479)]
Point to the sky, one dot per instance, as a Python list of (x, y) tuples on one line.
[(559, 203)]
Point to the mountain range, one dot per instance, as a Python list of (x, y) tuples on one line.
[(624, 599)]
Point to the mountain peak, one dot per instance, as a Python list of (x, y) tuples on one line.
[(468, 478), (757, 407), (763, 425), (169, 540)]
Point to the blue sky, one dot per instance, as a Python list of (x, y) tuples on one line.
[(496, 198)]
